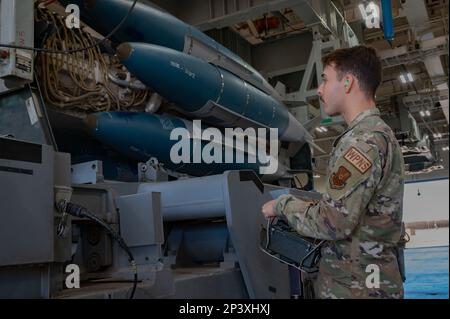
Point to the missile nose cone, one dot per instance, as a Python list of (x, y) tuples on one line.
[(123, 51), (90, 123)]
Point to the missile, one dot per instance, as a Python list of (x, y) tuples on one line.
[(204, 90), (141, 136), (149, 24)]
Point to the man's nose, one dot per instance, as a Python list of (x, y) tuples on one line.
[(319, 90)]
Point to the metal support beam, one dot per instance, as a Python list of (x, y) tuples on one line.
[(217, 14), (416, 13), (287, 71), (422, 101), (326, 14), (212, 14), (434, 123), (401, 55), (314, 69)]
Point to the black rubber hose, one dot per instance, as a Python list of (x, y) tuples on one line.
[(81, 212)]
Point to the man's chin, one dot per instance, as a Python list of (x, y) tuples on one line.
[(330, 112)]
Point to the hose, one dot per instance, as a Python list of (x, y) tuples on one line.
[(81, 212)]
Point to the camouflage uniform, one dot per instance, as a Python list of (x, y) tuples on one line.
[(360, 214)]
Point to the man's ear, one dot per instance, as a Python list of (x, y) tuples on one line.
[(348, 83)]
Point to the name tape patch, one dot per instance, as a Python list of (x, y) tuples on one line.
[(358, 160)]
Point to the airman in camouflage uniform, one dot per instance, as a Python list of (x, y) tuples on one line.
[(360, 214)]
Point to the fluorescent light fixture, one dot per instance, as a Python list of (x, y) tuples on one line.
[(427, 113), (324, 129), (422, 113), (409, 76), (316, 176), (437, 135), (402, 78), (406, 78)]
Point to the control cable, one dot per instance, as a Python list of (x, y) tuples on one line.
[(81, 212)]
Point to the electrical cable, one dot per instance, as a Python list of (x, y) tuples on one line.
[(79, 80), (81, 212), (96, 44)]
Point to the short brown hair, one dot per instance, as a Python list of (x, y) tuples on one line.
[(362, 62)]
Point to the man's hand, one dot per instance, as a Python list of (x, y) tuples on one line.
[(268, 209)]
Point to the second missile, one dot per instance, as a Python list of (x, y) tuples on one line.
[(206, 91)]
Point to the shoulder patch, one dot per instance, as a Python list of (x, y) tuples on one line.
[(338, 180), (358, 160)]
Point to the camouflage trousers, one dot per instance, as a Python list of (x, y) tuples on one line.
[(327, 287)]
